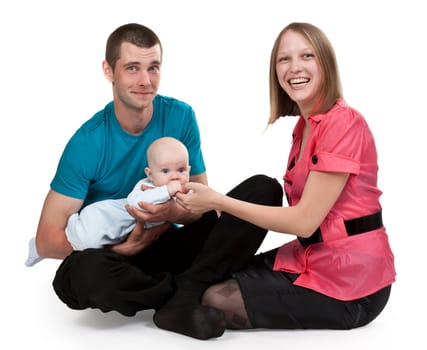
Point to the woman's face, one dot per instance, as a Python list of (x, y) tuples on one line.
[(298, 70)]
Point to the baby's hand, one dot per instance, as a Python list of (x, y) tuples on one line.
[(146, 187), (174, 187)]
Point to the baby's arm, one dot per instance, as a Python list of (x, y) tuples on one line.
[(155, 195)]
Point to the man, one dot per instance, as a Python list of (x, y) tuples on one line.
[(166, 268)]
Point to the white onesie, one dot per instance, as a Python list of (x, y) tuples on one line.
[(106, 221)]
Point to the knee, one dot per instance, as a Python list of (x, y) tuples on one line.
[(371, 306), (270, 187), (83, 269)]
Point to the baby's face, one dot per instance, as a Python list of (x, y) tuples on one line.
[(166, 171)]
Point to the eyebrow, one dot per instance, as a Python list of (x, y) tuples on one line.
[(134, 63)]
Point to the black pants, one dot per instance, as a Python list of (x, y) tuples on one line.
[(273, 301), (193, 256)]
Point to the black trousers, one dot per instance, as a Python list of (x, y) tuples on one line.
[(191, 257), (273, 301)]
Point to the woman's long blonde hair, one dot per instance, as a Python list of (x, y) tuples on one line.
[(280, 103)]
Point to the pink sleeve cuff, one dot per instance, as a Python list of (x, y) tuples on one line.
[(323, 161)]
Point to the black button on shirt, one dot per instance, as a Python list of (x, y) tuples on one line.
[(314, 159)]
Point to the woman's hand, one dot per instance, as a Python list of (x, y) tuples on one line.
[(199, 198)]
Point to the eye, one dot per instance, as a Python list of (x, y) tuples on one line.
[(132, 68), (155, 68), (182, 170), (164, 171), (283, 59), (308, 55)]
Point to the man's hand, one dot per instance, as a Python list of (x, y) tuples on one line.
[(139, 239), (169, 211)]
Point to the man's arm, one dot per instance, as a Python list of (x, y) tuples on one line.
[(201, 178), (51, 240)]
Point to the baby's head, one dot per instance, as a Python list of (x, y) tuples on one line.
[(167, 160)]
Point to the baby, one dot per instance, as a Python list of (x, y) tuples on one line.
[(108, 222)]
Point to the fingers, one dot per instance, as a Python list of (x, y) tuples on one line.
[(191, 186), (136, 213), (181, 203), (184, 188), (139, 239)]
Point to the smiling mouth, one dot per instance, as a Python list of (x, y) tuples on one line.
[(142, 93), (298, 81)]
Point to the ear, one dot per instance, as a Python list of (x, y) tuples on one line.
[(108, 71), (147, 171)]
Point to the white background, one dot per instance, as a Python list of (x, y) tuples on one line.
[(216, 57)]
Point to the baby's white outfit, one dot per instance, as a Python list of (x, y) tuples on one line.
[(106, 222)]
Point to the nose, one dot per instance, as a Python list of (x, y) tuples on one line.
[(177, 175), (144, 78), (295, 66), (173, 175)]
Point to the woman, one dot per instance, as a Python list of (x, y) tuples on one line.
[(337, 273)]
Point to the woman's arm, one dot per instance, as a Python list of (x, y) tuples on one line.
[(320, 193)]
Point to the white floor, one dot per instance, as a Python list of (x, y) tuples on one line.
[(34, 318)]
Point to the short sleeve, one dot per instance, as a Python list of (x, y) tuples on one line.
[(342, 138), (324, 161), (193, 143), (75, 168)]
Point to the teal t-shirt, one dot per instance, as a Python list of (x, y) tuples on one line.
[(102, 161)]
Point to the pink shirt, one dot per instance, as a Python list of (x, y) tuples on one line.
[(341, 266)]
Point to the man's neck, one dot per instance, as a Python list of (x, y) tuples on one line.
[(133, 121)]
